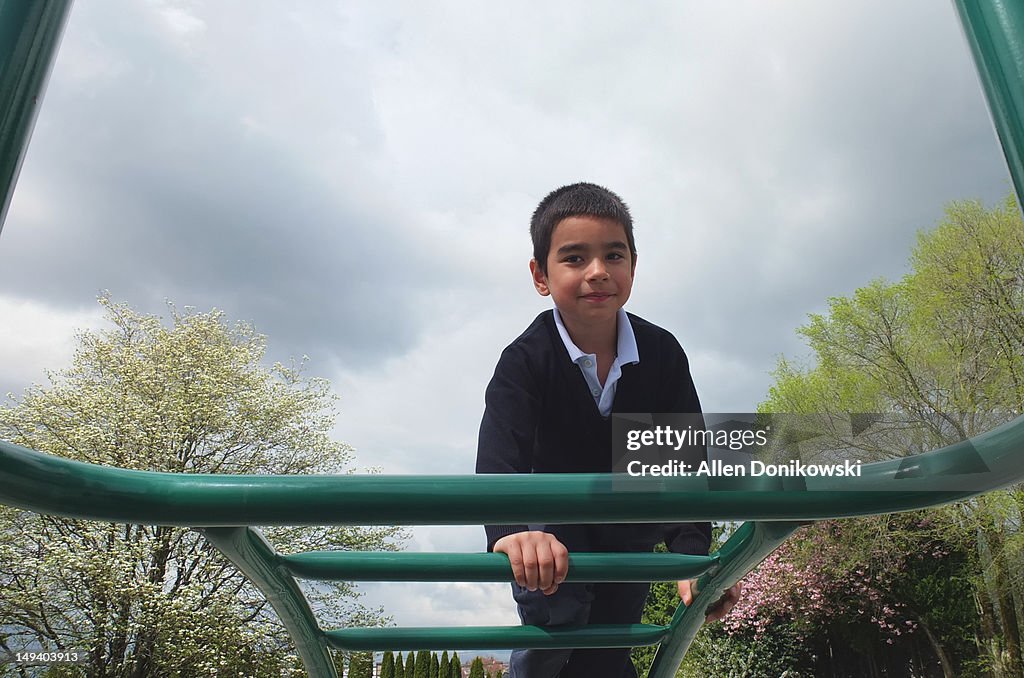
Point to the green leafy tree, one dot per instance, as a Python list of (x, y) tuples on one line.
[(191, 397), (387, 665), (944, 349), (476, 669), (456, 666), (422, 664)]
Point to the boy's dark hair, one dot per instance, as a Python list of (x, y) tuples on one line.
[(576, 200)]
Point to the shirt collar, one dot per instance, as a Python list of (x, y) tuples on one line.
[(626, 350)]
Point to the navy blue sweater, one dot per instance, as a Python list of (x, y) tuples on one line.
[(540, 416)]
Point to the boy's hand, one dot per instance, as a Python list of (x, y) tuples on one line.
[(539, 561), (688, 590)]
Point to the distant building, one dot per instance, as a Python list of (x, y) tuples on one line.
[(491, 666)]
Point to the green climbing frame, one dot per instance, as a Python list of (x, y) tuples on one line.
[(223, 507)]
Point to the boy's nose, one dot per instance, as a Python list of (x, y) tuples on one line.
[(597, 270)]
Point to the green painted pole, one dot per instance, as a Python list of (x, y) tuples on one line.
[(751, 544), (30, 32), (995, 33), (256, 559), (488, 567), (53, 485), (494, 637)]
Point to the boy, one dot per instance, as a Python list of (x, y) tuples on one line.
[(548, 410)]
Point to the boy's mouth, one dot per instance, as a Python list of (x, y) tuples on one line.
[(595, 297)]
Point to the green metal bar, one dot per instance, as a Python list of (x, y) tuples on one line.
[(489, 567), (30, 33), (254, 557), (995, 33), (48, 484), (258, 561), (751, 544), (494, 637)]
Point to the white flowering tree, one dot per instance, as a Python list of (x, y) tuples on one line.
[(193, 396)]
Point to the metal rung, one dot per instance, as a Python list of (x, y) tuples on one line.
[(494, 637), (489, 567), (90, 491)]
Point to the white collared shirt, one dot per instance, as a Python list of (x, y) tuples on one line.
[(626, 353)]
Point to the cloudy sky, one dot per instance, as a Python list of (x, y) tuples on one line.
[(356, 180)]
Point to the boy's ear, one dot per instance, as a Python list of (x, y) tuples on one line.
[(540, 281)]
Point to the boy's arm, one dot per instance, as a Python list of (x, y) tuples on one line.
[(695, 538), (689, 538), (508, 427), (538, 560), (688, 591)]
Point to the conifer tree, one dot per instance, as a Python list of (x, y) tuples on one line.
[(360, 665), (456, 666), (476, 669), (422, 664), (399, 666), (434, 666), (387, 665), (444, 667)]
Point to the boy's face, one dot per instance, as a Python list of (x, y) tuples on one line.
[(589, 270)]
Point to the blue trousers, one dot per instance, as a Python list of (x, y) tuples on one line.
[(579, 604)]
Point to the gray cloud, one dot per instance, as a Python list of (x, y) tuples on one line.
[(164, 189)]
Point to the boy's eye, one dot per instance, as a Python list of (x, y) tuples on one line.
[(615, 255), (573, 259)]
